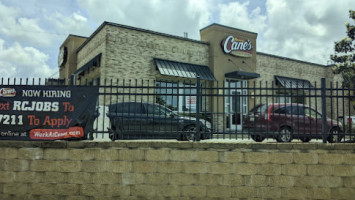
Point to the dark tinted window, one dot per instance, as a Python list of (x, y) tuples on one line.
[(129, 107), (154, 109), (295, 110), (312, 113), (259, 109), (282, 110)]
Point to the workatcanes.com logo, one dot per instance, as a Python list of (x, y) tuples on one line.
[(7, 92)]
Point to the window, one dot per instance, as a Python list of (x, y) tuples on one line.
[(189, 101), (157, 110), (312, 113), (282, 110), (295, 110), (290, 97), (283, 99), (259, 109), (167, 94), (129, 107)]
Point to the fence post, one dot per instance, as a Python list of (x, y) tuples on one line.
[(324, 111), (198, 105), (72, 79)]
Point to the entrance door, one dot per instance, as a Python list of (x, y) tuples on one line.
[(235, 115), (235, 104)]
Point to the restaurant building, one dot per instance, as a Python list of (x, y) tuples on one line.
[(224, 56)]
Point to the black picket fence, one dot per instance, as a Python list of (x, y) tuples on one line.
[(234, 109)]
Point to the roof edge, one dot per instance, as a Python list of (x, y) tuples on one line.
[(292, 59), (136, 29), (224, 26), (71, 35), (91, 36)]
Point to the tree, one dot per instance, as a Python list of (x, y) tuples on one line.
[(344, 56)]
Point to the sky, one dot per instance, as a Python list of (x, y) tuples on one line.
[(32, 31)]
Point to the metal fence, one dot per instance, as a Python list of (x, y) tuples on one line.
[(234, 109)]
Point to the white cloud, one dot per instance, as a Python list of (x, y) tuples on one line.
[(304, 29), (74, 23), (236, 15), (32, 31), (22, 29), (23, 62), (168, 16)]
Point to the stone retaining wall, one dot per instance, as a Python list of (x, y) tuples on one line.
[(175, 170)]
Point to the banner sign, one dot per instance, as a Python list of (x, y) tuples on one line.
[(237, 47), (46, 112)]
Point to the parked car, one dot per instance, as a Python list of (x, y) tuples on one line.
[(137, 120), (285, 122)]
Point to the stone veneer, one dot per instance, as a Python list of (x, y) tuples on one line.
[(175, 170), (128, 53)]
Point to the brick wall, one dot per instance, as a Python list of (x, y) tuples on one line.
[(175, 170)]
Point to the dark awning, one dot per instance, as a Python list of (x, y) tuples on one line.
[(172, 68), (242, 75), (95, 62), (293, 82)]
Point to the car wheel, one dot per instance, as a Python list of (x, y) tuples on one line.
[(285, 134), (115, 134), (257, 138), (334, 135), (189, 133), (90, 135), (305, 139)]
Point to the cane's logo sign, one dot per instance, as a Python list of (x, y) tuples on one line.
[(237, 47), (7, 92)]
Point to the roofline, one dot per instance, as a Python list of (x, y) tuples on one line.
[(224, 26), (91, 36), (291, 59), (136, 29), (72, 36)]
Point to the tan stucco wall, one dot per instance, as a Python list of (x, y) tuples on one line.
[(175, 170), (222, 63), (72, 43)]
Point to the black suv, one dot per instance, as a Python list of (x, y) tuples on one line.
[(139, 120)]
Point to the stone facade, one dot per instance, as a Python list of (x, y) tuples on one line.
[(127, 58), (128, 54), (175, 170), (269, 66)]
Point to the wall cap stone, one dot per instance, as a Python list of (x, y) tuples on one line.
[(157, 144)]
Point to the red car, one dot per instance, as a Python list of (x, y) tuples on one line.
[(285, 122)]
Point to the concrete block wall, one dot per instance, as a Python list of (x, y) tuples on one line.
[(175, 170)]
